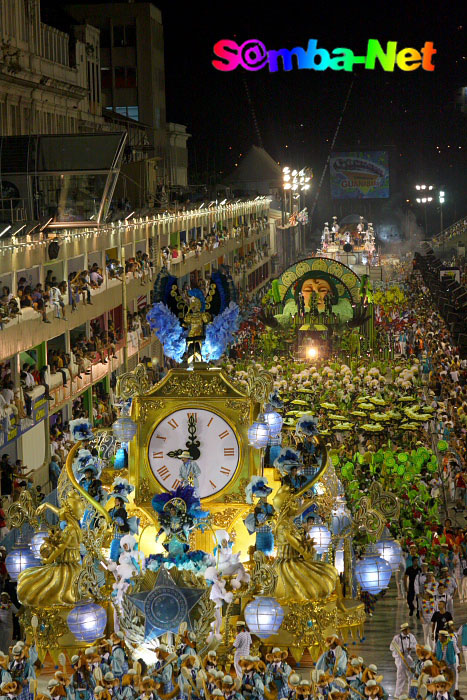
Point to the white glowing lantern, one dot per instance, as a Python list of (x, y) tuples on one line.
[(321, 538)]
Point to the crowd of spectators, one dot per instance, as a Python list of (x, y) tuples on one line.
[(457, 229), (55, 295), (217, 237), (247, 261), (446, 374)]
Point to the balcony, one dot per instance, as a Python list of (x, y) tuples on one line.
[(28, 329), (97, 371)]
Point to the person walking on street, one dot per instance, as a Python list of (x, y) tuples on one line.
[(403, 647), (411, 574), (242, 645)]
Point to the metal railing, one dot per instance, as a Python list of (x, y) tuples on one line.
[(459, 228), (12, 209)]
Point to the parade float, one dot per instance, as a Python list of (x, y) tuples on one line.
[(314, 303), (178, 521), (351, 242)]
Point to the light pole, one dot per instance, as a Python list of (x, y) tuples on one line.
[(424, 199), (441, 201), (296, 182)]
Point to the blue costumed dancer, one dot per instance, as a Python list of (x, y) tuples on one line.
[(179, 512), (122, 524), (334, 660), (257, 521)]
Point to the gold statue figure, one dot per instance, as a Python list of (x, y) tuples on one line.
[(52, 583), (196, 319), (299, 577)]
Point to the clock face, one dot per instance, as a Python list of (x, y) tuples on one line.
[(208, 437)]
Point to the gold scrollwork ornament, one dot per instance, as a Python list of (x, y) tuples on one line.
[(259, 383), (194, 385), (239, 496), (144, 492), (224, 517), (24, 511), (49, 628), (242, 408), (135, 383)]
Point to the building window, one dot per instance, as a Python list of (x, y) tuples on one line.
[(105, 38), (106, 78), (124, 35), (130, 35), (130, 112), (14, 126), (125, 77)]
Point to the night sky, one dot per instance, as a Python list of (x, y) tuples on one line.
[(413, 112)]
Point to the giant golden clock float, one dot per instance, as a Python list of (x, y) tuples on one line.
[(175, 519)]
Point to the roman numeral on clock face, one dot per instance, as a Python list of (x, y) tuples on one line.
[(192, 415), (176, 484), (158, 455), (163, 472), (224, 434), (224, 470), (212, 484), (173, 423), (229, 451)]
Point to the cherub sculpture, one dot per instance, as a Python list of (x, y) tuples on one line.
[(228, 563)]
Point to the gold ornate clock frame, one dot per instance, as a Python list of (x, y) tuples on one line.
[(210, 389)]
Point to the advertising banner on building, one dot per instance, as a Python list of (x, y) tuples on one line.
[(359, 175), (12, 429), (39, 409)]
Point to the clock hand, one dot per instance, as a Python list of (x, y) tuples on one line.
[(193, 443), (174, 453)]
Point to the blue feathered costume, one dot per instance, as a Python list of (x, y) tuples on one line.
[(179, 512), (171, 317)]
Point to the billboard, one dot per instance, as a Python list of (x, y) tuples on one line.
[(359, 175)]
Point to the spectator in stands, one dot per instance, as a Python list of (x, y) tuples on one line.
[(95, 276), (6, 476), (81, 282), (3, 528), (54, 472), (57, 301)]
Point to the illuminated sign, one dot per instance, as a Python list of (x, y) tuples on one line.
[(359, 175)]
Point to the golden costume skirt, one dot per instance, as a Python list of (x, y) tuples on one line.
[(43, 586), (302, 580)]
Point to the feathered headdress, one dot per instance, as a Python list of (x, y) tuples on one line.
[(287, 459), (307, 425), (121, 489), (275, 400), (184, 493), (257, 488), (195, 292), (81, 429)]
